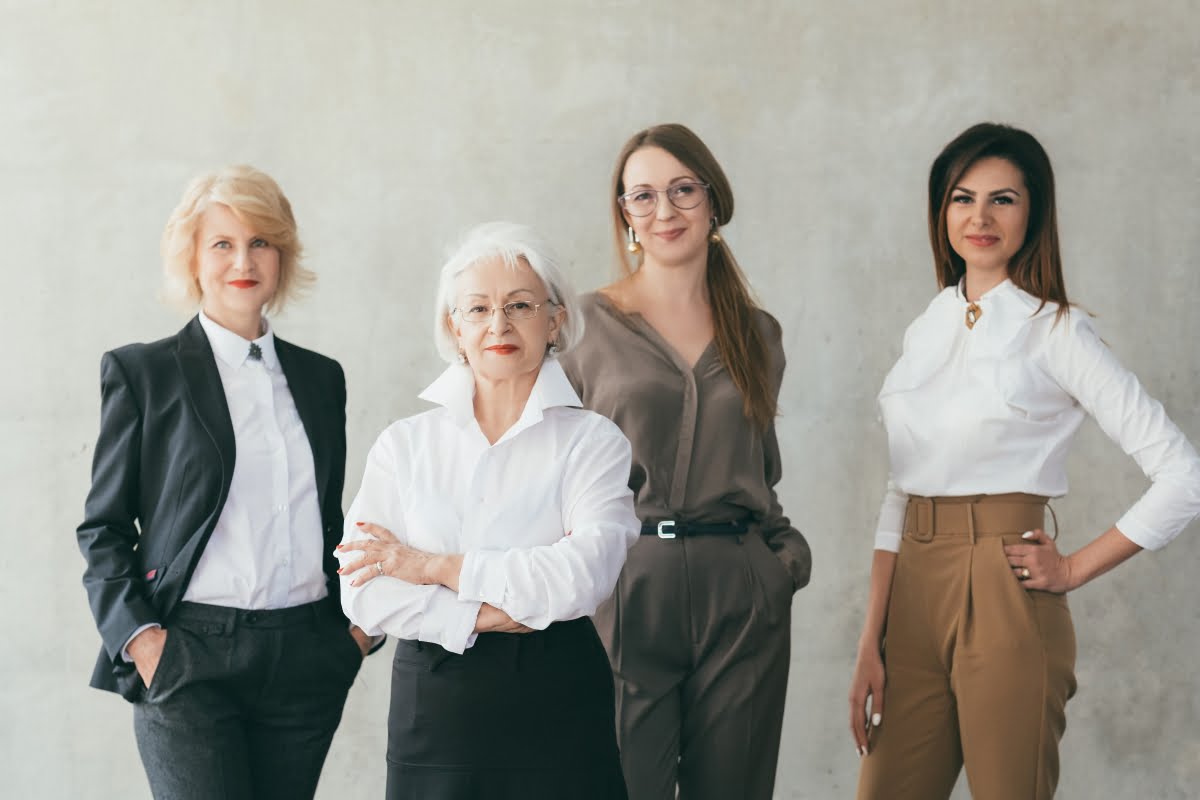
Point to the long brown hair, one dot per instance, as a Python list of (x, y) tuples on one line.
[(740, 343), (1037, 266)]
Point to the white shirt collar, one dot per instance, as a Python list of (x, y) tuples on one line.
[(1001, 288), (455, 390), (233, 349)]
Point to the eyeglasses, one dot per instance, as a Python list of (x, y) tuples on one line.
[(520, 309), (643, 202)]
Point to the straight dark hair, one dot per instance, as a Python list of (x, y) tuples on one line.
[(1037, 266), (740, 344)]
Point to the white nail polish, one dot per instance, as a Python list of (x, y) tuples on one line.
[(1027, 535), (876, 719)]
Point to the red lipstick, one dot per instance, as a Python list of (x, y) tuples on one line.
[(503, 349), (244, 284)]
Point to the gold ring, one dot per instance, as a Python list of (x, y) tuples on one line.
[(1025, 573), (379, 568)]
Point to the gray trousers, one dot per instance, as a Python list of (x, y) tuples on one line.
[(245, 703), (698, 635)]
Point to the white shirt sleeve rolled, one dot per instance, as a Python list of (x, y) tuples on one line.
[(389, 605), (890, 528), (1085, 367), (571, 577)]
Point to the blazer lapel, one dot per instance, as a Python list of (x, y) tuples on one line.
[(308, 406), (203, 381)]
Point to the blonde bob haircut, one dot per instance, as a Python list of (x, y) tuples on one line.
[(512, 243), (257, 201)]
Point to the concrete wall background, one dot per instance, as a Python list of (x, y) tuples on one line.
[(394, 126)]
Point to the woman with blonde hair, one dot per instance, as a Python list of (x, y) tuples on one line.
[(214, 507), (689, 367)]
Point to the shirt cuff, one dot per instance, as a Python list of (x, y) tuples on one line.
[(887, 540), (125, 649), (449, 622), (1140, 534), (478, 583)]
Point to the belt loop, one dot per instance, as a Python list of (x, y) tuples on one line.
[(971, 521), (1054, 517), (925, 518)]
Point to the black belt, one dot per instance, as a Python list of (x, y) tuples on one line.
[(670, 528)]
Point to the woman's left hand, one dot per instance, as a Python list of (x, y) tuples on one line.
[(1039, 565), (386, 555)]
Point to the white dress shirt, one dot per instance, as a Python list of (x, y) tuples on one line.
[(544, 516), (993, 409), (267, 548)]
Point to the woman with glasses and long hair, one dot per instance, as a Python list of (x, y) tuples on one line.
[(681, 358), (967, 654), (484, 534)]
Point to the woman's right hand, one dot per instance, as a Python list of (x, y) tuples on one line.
[(867, 684), (146, 650), (493, 620)]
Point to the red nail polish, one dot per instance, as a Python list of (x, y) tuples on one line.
[(360, 524)]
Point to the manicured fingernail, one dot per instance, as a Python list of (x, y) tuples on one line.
[(876, 719), (360, 524), (339, 570), (1027, 535), (339, 547)]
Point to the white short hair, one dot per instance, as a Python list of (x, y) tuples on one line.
[(512, 243)]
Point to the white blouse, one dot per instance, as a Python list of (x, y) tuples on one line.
[(993, 409), (544, 516)]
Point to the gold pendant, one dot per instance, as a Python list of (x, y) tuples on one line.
[(974, 312)]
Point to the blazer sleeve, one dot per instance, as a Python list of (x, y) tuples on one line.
[(109, 533)]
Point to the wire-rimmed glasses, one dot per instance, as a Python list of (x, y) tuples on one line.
[(684, 196), (516, 310)]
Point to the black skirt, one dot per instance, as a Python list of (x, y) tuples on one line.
[(516, 716)]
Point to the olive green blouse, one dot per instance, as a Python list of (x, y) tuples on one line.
[(696, 456)]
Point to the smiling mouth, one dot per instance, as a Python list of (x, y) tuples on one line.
[(244, 284), (671, 234)]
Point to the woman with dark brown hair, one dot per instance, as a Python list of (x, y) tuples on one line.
[(680, 357), (967, 633)]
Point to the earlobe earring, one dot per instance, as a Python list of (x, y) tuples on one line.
[(552, 351), (634, 246), (714, 236), (462, 357)]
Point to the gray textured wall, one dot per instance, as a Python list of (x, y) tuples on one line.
[(395, 125)]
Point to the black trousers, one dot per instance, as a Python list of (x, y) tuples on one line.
[(516, 716), (245, 703)]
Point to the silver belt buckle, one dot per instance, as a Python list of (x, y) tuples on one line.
[(664, 532)]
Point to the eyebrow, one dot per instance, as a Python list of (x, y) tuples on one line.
[(510, 294), (965, 190), (218, 236), (672, 182)]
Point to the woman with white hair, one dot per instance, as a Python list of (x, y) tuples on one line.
[(485, 533)]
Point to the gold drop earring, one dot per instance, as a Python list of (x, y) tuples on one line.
[(634, 246), (714, 235)]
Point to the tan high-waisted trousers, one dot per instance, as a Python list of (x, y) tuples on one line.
[(979, 669)]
